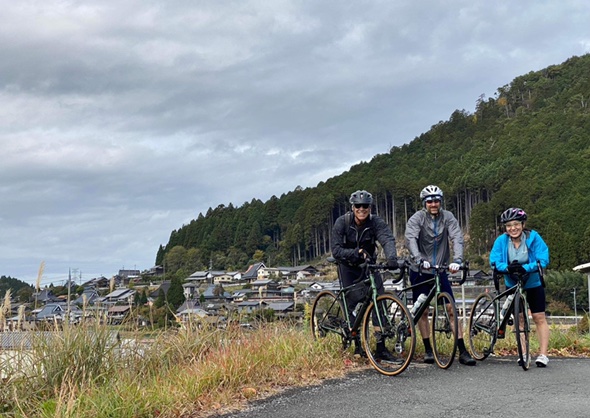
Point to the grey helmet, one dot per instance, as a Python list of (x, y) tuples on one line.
[(431, 192), (361, 197), (513, 214)]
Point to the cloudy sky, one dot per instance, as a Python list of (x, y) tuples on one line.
[(120, 121)]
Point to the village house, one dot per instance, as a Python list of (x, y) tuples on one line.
[(123, 295)]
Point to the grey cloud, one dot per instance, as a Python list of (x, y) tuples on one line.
[(122, 120)]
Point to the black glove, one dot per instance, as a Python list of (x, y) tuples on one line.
[(516, 268), (392, 264), (365, 256)]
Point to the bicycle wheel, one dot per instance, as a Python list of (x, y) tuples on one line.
[(444, 330), (521, 329), (388, 335), (328, 319), (482, 327)]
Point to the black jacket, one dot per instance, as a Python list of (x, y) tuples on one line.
[(347, 239)]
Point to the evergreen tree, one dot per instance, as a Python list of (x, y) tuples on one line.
[(175, 294)]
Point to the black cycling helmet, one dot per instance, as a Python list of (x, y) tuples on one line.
[(513, 214), (361, 197)]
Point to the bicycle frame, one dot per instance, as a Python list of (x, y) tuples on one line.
[(444, 325), (495, 326), (436, 289), (382, 323), (370, 297)]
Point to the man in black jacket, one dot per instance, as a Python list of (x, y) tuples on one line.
[(354, 238)]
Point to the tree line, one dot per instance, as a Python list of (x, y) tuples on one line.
[(528, 146)]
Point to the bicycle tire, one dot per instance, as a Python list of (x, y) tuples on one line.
[(397, 333), (444, 330), (482, 327), (328, 320), (522, 330)]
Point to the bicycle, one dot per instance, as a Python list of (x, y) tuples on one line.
[(487, 324), (383, 318), (444, 323)]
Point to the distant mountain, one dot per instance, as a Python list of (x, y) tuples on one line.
[(15, 285), (528, 146)]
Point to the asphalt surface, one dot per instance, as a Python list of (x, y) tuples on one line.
[(496, 387)]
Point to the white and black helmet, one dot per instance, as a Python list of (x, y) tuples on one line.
[(431, 192), (361, 197)]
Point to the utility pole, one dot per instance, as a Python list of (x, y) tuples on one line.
[(69, 291), (585, 268), (575, 306)]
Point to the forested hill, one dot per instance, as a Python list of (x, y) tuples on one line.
[(528, 146)]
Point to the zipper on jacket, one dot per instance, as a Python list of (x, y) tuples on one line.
[(435, 225)]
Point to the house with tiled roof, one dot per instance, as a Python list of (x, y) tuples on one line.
[(58, 312), (191, 290), (45, 296), (198, 276), (119, 295), (88, 297), (252, 273), (162, 287)]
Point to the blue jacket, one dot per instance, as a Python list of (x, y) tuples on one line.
[(537, 251)]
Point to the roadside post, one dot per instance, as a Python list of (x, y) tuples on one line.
[(585, 268)]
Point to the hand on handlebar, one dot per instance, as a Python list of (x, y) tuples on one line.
[(392, 264), (425, 264), (454, 267), (365, 257), (516, 268)]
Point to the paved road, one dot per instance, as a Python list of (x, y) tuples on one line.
[(496, 387)]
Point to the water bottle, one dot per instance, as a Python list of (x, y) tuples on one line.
[(357, 308), (418, 302), (505, 306)]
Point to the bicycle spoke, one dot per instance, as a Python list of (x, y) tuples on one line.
[(522, 328), (444, 330), (388, 335), (482, 327), (328, 319)]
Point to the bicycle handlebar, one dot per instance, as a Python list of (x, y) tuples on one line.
[(404, 266), (372, 265), (384, 267), (520, 276), (464, 268)]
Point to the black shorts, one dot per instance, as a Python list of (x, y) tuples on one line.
[(535, 296)]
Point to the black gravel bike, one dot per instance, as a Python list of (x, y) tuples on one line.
[(492, 314), (377, 318), (444, 323)]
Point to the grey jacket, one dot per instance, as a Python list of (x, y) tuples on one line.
[(428, 238)]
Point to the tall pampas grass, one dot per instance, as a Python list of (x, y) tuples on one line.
[(21, 317), (5, 309), (38, 282)]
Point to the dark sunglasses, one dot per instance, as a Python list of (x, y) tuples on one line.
[(431, 201), (364, 206)]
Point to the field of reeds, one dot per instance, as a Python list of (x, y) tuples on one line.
[(96, 371)]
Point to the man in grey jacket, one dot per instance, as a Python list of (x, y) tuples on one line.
[(428, 233)]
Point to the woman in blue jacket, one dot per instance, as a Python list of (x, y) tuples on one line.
[(518, 250)]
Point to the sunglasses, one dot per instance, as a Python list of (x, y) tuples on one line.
[(358, 206), (431, 201)]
